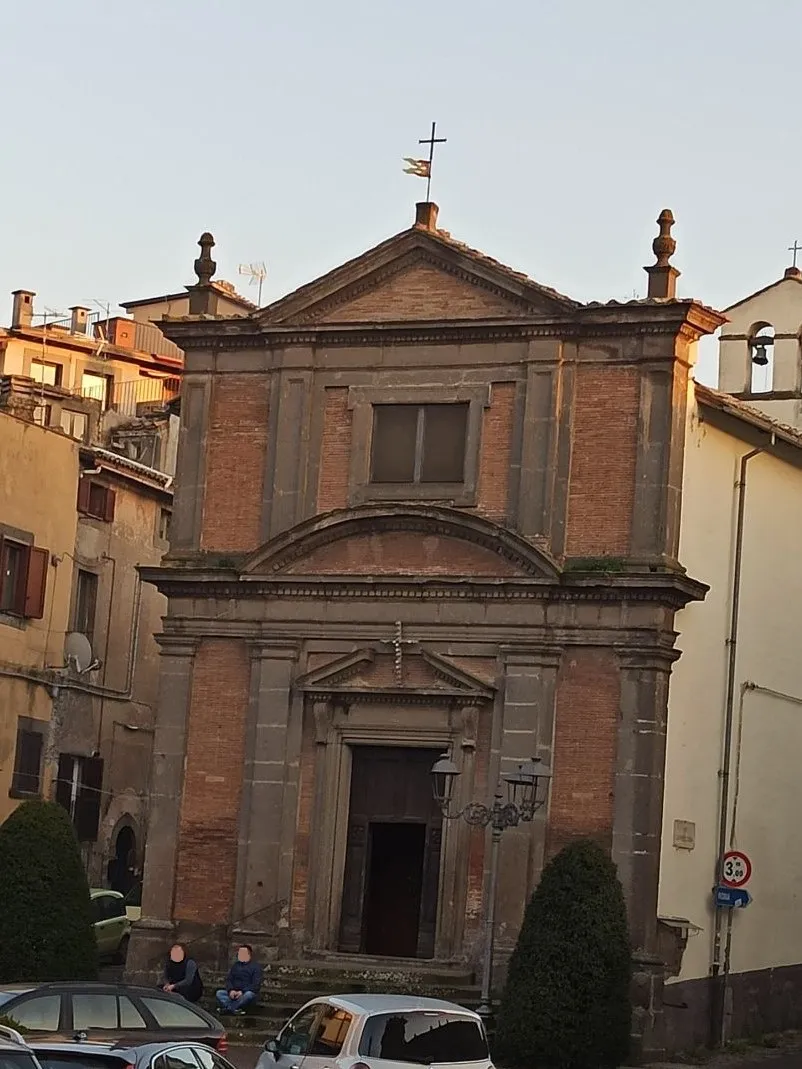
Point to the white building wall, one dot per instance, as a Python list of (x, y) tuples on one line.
[(766, 784)]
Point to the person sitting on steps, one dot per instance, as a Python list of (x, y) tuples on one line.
[(181, 975), (242, 983)]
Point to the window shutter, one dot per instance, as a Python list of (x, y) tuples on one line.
[(28, 763), (84, 488), (36, 583), (108, 509), (64, 781), (87, 804)]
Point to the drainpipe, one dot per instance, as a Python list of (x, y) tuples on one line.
[(719, 981)]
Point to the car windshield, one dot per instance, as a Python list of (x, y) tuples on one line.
[(17, 1059), (423, 1038)]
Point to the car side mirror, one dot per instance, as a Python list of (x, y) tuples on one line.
[(271, 1047)]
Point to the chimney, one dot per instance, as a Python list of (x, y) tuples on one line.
[(426, 215), (662, 276), (22, 310), (79, 319)]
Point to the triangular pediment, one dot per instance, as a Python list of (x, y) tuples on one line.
[(418, 275), (377, 671)]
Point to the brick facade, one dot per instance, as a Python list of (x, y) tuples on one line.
[(207, 855), (603, 460), (512, 638), (236, 463), (586, 726)]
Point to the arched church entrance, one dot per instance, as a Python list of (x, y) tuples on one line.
[(121, 866)]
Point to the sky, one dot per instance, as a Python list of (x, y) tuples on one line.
[(129, 128)]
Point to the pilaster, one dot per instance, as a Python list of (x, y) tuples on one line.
[(262, 890)]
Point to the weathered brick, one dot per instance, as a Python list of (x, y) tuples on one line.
[(236, 460), (209, 830), (335, 452), (420, 292), (586, 724), (402, 553), (496, 452), (603, 456)]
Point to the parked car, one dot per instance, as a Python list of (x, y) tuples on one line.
[(111, 1012), (133, 902), (112, 924), (349, 1031), (80, 1055), (15, 1052)]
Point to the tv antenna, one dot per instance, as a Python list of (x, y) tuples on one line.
[(256, 273), (102, 325)]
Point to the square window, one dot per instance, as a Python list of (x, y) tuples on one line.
[(419, 443)]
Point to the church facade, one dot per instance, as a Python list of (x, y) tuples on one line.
[(423, 505)]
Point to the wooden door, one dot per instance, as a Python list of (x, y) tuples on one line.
[(391, 785)]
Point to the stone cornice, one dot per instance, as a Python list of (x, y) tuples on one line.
[(671, 589), (685, 318)]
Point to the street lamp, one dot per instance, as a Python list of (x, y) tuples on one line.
[(527, 791)]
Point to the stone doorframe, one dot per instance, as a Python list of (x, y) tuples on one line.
[(444, 718), (443, 726)]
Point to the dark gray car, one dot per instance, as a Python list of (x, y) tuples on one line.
[(116, 1013), (83, 1055)]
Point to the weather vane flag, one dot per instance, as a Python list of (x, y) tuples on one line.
[(423, 168)]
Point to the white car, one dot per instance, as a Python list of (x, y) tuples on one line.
[(378, 1032)]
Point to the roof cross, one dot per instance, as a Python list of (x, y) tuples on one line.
[(795, 248)]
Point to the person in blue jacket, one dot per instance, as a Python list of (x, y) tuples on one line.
[(242, 983)]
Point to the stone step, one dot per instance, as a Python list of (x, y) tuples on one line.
[(401, 971)]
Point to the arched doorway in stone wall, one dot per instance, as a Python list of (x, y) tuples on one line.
[(123, 861)]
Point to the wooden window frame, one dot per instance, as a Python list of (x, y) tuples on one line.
[(33, 729), (361, 400), (97, 511), (77, 623), (79, 789), (419, 446), (31, 581)]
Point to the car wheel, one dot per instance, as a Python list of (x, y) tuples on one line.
[(122, 949)]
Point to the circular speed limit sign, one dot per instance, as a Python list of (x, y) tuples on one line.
[(736, 868)]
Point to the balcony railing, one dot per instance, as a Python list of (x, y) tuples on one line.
[(135, 397)]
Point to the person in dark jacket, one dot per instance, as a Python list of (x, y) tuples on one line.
[(242, 983), (181, 975)]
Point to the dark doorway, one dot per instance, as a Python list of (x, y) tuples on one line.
[(393, 891), (121, 867), (392, 861)]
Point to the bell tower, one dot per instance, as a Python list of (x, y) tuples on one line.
[(760, 359)]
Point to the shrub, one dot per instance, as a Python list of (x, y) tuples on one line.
[(566, 1003), (46, 928)]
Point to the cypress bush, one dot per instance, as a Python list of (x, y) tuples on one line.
[(566, 1003), (46, 928)]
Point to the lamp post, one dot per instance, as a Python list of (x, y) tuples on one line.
[(527, 791)]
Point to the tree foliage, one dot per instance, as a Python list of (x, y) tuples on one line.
[(566, 1003), (46, 928)]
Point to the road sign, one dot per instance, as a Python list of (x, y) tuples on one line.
[(736, 868), (731, 897)]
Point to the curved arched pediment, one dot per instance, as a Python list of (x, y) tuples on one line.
[(401, 540)]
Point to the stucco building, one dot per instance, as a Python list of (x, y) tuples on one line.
[(421, 437), (734, 730), (76, 522)]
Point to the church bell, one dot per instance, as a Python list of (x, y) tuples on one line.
[(759, 351)]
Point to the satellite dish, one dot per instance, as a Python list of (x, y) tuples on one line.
[(78, 649)]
